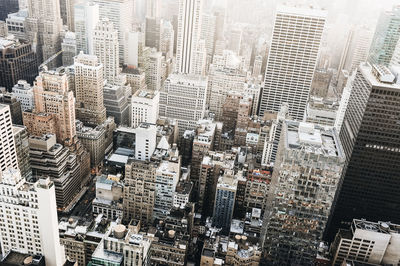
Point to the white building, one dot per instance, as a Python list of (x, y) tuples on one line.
[(106, 48), (321, 111), (16, 23), (144, 107), (154, 71), (23, 92), (292, 59), (120, 13), (86, 18), (189, 27), (183, 98), (166, 39), (344, 101), (199, 62), (367, 242), (146, 141), (257, 66), (28, 212), (68, 47)]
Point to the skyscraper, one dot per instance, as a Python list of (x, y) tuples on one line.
[(86, 18), (106, 48), (189, 27), (387, 34), (7, 146), (370, 135), (7, 7), (44, 25), (144, 107), (303, 186), (89, 84), (17, 61), (292, 59)]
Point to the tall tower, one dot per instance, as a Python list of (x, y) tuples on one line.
[(85, 20), (292, 59), (370, 135), (43, 28), (189, 21), (387, 34), (54, 110), (106, 48), (7, 145), (89, 84)]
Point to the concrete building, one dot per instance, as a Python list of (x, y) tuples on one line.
[(89, 82), (257, 66), (86, 18), (144, 107), (106, 48), (321, 112), (109, 195), (54, 110), (16, 23), (183, 98), (304, 183), (123, 246), (68, 47), (153, 71), (167, 35), (208, 34), (189, 29), (21, 138), (17, 61), (242, 253), (51, 159), (344, 101), (225, 201), (385, 38), (120, 13), (116, 102), (43, 28), (23, 92), (299, 58), (136, 78), (146, 137), (367, 242), (371, 162), (257, 189), (7, 98), (7, 146)]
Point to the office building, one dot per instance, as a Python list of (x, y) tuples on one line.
[(386, 37), (89, 82), (21, 139), (152, 35), (86, 18), (109, 195), (106, 48), (17, 61), (321, 111), (144, 107), (7, 98), (146, 136), (257, 66), (296, 48), (136, 78), (51, 159), (43, 28), (369, 136), (116, 102), (374, 243), (16, 24), (54, 110), (225, 201), (7, 146), (189, 29), (183, 98), (153, 70), (258, 184), (303, 187), (68, 47), (23, 92), (166, 39), (344, 102), (208, 34), (120, 13)]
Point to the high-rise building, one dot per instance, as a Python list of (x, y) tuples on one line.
[(86, 18), (189, 28), (166, 39), (387, 34), (89, 82), (17, 61), (370, 138), (199, 63), (367, 242), (7, 7), (303, 186), (120, 13), (106, 48), (23, 92), (68, 47), (22, 201), (321, 111), (292, 59), (144, 107), (116, 102), (153, 71), (54, 110), (44, 25), (258, 60), (183, 98), (208, 33), (152, 35), (21, 138), (16, 23), (7, 98), (7, 145), (146, 141), (225, 201)]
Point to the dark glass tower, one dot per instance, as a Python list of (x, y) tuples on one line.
[(8, 7), (370, 136)]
